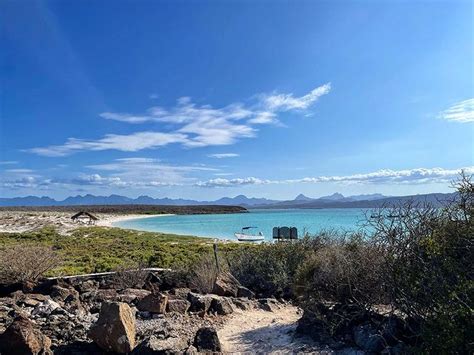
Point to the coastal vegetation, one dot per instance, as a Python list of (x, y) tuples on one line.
[(100, 249), (412, 266)]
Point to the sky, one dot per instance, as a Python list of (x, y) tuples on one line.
[(204, 99)]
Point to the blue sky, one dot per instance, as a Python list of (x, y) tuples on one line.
[(204, 99)]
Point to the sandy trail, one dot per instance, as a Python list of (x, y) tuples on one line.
[(265, 332)]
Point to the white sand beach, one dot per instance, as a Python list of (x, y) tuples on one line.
[(25, 221)]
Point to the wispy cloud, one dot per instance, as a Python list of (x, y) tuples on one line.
[(127, 143), (460, 112), (411, 176), (286, 102), (191, 125), (8, 162), (223, 155), (220, 182)]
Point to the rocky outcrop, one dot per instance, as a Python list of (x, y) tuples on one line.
[(199, 303), (22, 338), (221, 306), (206, 340), (132, 295), (156, 345), (153, 303), (115, 329), (179, 306), (226, 285), (268, 304)]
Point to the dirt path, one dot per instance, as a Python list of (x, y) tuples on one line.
[(261, 331)]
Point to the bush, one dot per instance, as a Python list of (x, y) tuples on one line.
[(130, 276), (417, 259), (267, 269), (429, 267), (343, 269), (204, 274), (21, 263)]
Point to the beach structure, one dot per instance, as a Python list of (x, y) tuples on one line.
[(285, 233), (84, 218)]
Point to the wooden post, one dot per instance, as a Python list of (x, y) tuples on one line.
[(215, 255)]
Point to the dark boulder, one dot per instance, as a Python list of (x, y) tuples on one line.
[(245, 292), (22, 338), (221, 306), (199, 303), (154, 303), (178, 306), (206, 340)]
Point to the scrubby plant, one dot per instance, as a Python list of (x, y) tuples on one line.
[(130, 276), (342, 269), (267, 269), (22, 263), (204, 272), (416, 259)]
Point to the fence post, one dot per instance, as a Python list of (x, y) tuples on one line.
[(215, 256)]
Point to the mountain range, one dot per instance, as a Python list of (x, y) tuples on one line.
[(335, 200)]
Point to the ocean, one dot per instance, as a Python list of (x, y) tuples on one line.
[(223, 226)]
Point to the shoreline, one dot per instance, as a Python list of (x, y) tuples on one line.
[(111, 220)]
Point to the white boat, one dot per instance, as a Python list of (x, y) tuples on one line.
[(245, 236)]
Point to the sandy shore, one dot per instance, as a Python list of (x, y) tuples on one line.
[(22, 221), (109, 220)]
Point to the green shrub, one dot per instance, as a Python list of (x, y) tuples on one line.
[(267, 269)]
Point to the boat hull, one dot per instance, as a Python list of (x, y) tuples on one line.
[(249, 238)]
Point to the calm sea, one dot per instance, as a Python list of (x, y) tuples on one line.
[(223, 226)]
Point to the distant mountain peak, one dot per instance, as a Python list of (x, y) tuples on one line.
[(334, 197), (302, 197)]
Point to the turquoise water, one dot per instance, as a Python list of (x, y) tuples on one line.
[(223, 226)]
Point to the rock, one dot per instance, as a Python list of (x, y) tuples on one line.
[(191, 350), (368, 339), (87, 286), (155, 345), (226, 285), (102, 295), (221, 306), (131, 295), (152, 282), (245, 292), (268, 304), (243, 304), (311, 325), (206, 339), (60, 294), (115, 328), (154, 303), (21, 338), (178, 306), (199, 303), (180, 293), (28, 286), (44, 309)]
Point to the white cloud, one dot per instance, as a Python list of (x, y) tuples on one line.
[(19, 171), (10, 162), (127, 143), (411, 176), (191, 125), (223, 155), (286, 102), (220, 182), (460, 112)]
